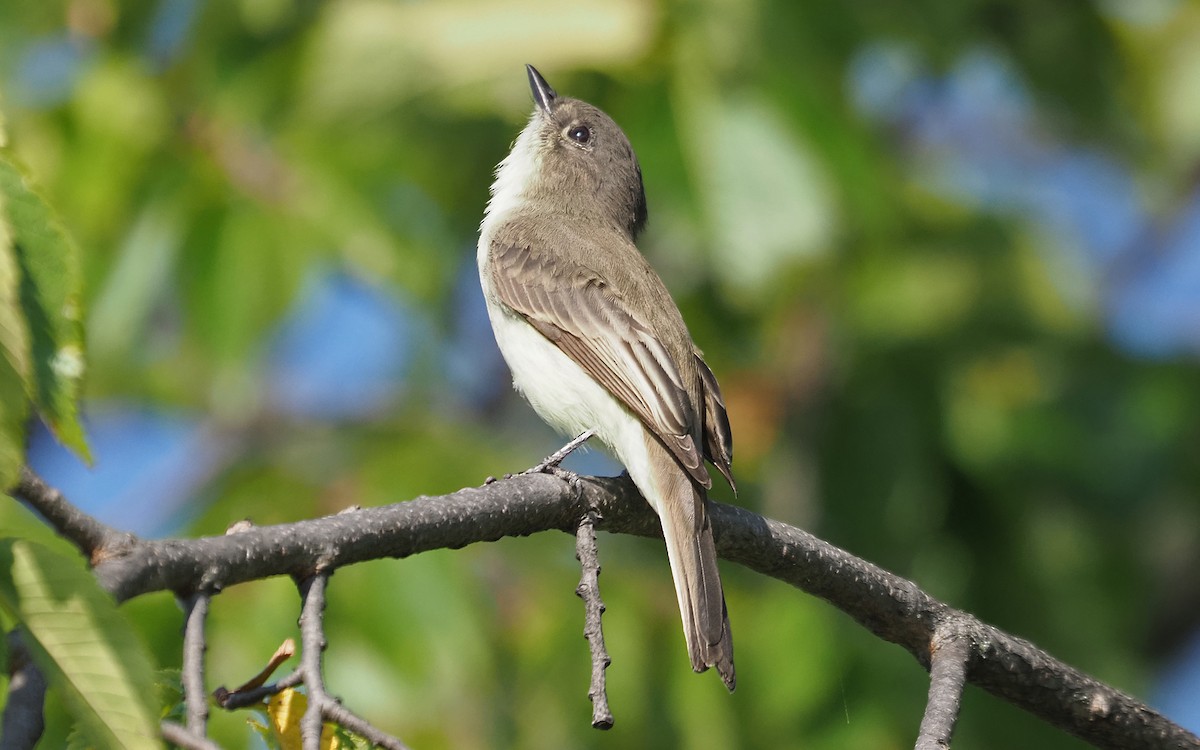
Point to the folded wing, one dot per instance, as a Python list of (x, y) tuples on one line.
[(590, 323)]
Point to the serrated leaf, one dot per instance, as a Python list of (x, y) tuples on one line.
[(344, 739), (14, 411), (83, 645), (169, 683), (14, 361), (13, 365), (14, 333), (49, 291)]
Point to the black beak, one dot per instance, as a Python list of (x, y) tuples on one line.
[(543, 95)]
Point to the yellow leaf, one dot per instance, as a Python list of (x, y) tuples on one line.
[(285, 709)]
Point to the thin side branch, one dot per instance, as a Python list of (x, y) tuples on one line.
[(948, 658), (312, 646), (254, 696), (97, 541), (194, 694), (342, 716), (322, 706), (252, 691), (593, 627)]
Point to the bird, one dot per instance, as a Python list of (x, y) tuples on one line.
[(597, 345)]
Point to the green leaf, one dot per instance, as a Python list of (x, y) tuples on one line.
[(169, 683), (49, 293), (14, 361), (82, 643)]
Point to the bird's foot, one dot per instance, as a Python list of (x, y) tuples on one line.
[(566, 475), (550, 465)]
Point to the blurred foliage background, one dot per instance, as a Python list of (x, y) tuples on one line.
[(944, 257)]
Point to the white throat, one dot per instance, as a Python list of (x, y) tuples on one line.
[(513, 175)]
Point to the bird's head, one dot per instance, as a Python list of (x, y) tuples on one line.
[(574, 159)]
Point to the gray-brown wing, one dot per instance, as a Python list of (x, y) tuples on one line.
[(718, 439), (576, 310)]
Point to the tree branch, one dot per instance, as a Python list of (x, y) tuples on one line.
[(194, 694), (344, 717), (322, 706), (23, 721), (948, 657), (97, 541), (253, 696), (593, 626), (889, 606), (312, 647), (897, 610), (519, 506)]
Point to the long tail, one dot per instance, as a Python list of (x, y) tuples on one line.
[(681, 506)]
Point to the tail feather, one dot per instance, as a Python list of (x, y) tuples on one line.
[(681, 506)]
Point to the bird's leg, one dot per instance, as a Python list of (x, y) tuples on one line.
[(550, 465)]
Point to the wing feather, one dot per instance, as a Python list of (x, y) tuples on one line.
[(718, 438)]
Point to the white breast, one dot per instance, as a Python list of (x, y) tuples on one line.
[(564, 394)]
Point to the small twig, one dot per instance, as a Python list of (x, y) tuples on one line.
[(177, 735), (286, 650), (948, 656), (194, 695), (312, 645), (593, 628), (321, 705), (24, 718), (253, 696), (98, 541), (333, 711)]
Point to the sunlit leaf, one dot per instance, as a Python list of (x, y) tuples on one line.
[(13, 413), (286, 709), (82, 643), (49, 291), (14, 361)]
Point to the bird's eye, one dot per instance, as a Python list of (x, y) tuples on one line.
[(581, 134)]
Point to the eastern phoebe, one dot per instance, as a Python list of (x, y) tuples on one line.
[(595, 342)]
